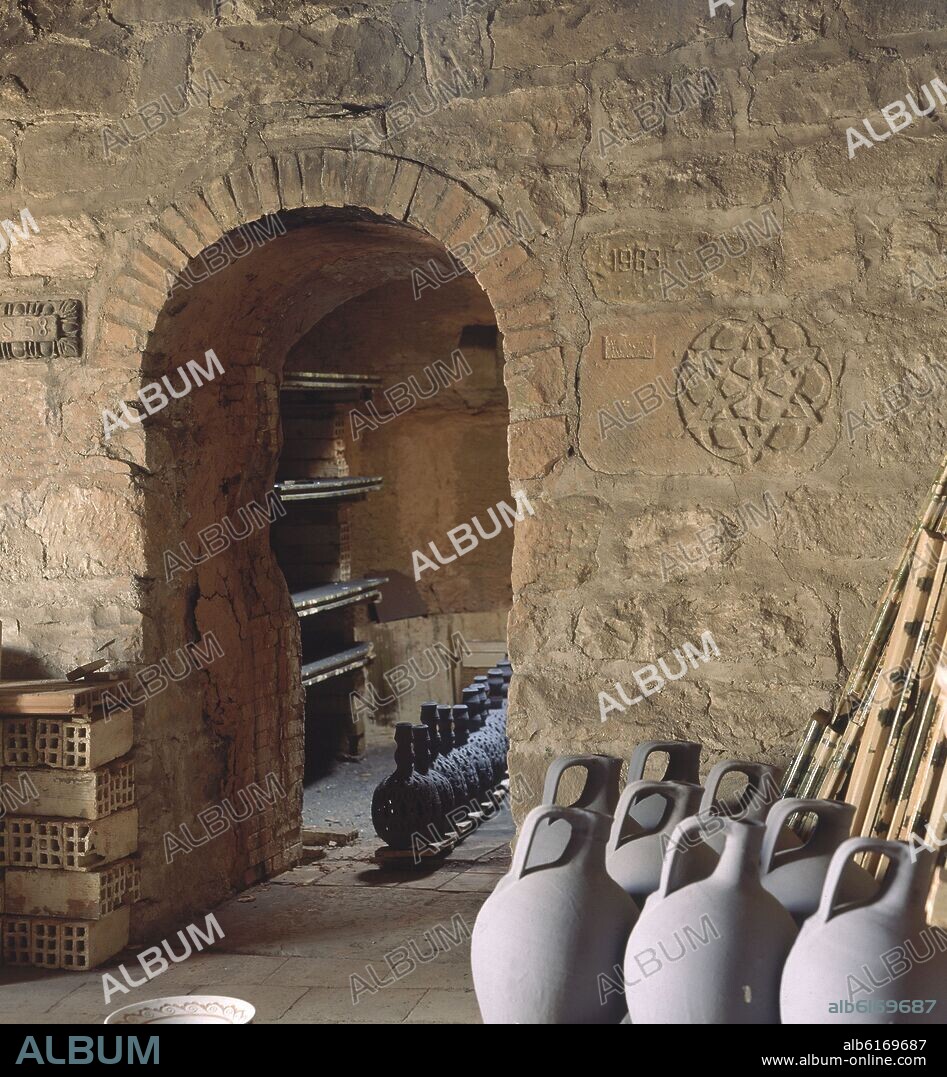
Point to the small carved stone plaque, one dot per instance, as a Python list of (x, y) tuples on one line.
[(625, 346), (627, 266), (40, 329)]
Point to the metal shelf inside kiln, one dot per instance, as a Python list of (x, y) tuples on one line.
[(331, 596), (335, 387), (327, 489), (343, 662)]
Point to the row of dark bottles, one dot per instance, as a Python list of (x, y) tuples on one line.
[(448, 767)]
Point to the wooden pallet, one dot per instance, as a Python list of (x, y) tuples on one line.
[(58, 696)]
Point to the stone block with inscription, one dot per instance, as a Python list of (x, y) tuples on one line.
[(708, 393), (660, 261), (40, 329)]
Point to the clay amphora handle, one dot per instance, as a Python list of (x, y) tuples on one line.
[(683, 760), (587, 826), (906, 879), (757, 774), (833, 823), (686, 836), (625, 829), (602, 777)]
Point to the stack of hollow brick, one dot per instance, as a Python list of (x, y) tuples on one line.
[(69, 828)]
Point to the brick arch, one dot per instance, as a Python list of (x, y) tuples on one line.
[(393, 187), (240, 736)]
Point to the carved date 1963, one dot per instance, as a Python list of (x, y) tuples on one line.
[(635, 259)]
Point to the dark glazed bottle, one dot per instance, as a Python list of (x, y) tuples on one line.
[(497, 720), (506, 668), (440, 757), (463, 736), (497, 684), (438, 789), (405, 804), (485, 734), (460, 759)]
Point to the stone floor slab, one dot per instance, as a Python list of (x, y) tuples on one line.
[(445, 1007), (477, 882), (325, 1005), (271, 1001)]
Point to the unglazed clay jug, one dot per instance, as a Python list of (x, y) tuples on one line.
[(709, 951), (635, 853), (543, 940), (405, 804), (683, 765), (600, 785), (751, 805), (795, 875), (855, 963)]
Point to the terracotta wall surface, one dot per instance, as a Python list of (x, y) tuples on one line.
[(444, 457), (683, 188)]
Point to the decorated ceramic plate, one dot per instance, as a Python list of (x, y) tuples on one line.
[(185, 1010)]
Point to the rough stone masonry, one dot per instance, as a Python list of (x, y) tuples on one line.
[(230, 112)]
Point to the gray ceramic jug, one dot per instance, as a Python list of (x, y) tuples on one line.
[(544, 942), (683, 765), (599, 793), (856, 962), (635, 852), (751, 805), (795, 875), (709, 950)]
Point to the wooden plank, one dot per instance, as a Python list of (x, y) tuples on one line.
[(55, 696), (915, 753), (411, 859), (828, 762), (928, 820), (936, 908), (913, 695), (929, 774), (897, 655), (834, 777), (312, 835)]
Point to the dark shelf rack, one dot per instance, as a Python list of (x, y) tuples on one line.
[(332, 596), (323, 669), (327, 489), (337, 388), (320, 393)]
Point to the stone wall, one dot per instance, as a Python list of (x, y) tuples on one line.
[(620, 139)]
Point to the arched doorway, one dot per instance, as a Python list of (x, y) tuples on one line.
[(237, 723)]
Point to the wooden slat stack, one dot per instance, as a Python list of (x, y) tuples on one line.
[(69, 830), (884, 747)]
